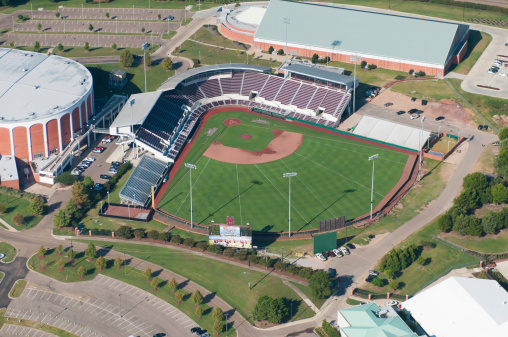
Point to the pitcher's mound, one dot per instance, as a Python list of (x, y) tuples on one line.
[(232, 122), (246, 136)]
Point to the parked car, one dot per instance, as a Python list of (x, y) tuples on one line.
[(503, 74), (195, 329), (424, 102), (97, 150), (440, 118), (401, 112), (388, 104), (320, 256), (415, 116), (332, 272), (98, 186), (107, 140), (112, 171), (105, 176), (366, 302), (480, 127), (345, 250), (495, 144), (2, 256), (392, 302), (413, 99), (116, 163), (76, 172), (485, 127), (90, 159), (338, 253), (373, 273), (415, 111), (369, 94), (331, 253)]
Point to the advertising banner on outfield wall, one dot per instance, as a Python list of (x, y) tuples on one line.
[(231, 241), (230, 230)]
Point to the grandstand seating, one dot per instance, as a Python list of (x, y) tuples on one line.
[(211, 88), (287, 92), (253, 82), (303, 96), (271, 88)]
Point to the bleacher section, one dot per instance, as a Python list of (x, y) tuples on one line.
[(148, 173), (159, 127)]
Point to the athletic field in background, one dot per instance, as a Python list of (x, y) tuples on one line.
[(334, 177)]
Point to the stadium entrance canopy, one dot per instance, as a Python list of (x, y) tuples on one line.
[(321, 74), (135, 114)]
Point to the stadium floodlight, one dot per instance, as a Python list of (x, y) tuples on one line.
[(144, 47), (420, 150), (286, 21), (289, 175), (354, 58), (191, 167), (372, 158), (335, 44)]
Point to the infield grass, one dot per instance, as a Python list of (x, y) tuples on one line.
[(331, 170)]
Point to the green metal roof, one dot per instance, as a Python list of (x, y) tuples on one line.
[(385, 36), (365, 323)]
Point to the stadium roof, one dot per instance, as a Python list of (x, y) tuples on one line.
[(313, 71), (148, 173), (173, 82), (52, 83), (143, 104), (363, 321), (459, 306), (379, 35)]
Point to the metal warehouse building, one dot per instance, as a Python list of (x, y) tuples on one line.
[(389, 41), (44, 100)]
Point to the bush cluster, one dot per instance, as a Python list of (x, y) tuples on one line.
[(399, 259), (271, 309)]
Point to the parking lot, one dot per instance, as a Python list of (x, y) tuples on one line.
[(11, 330), (114, 309)]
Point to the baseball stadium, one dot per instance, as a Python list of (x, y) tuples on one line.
[(243, 129)]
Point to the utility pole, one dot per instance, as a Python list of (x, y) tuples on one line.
[(286, 21), (289, 175), (354, 58), (143, 48), (193, 167), (372, 158)]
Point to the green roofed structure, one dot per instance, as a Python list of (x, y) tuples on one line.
[(391, 41), (369, 320)]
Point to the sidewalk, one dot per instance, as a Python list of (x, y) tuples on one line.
[(9, 227)]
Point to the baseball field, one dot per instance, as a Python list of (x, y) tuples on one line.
[(241, 159)]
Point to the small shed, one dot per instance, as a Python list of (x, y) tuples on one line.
[(117, 78)]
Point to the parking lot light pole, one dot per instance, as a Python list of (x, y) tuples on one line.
[(191, 167), (120, 312), (108, 198), (289, 175), (354, 58), (421, 151), (286, 21), (372, 158), (144, 47)]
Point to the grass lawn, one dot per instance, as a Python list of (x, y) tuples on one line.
[(486, 105), (329, 169), (155, 75), (215, 38), (444, 144), (17, 288), (8, 250), (50, 5), (491, 243), (318, 302), (16, 205), (169, 36), (213, 55), (100, 51), (477, 43), (1, 276), (432, 184), (440, 260), (429, 90), (186, 21), (184, 235), (34, 325), (4, 31), (210, 274)]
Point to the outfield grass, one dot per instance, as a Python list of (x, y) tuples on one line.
[(8, 250), (17, 288), (229, 282), (491, 244), (477, 43), (16, 205), (155, 75), (330, 171), (440, 260)]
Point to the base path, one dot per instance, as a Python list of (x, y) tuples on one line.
[(284, 144)]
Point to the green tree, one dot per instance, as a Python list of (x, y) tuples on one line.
[(39, 26), (319, 284), (60, 47), (468, 200), (467, 225), (218, 314), (66, 178), (363, 64), (218, 326), (199, 311), (118, 262), (159, 16), (503, 133), (421, 260), (277, 311), (60, 264), (57, 14), (167, 63), (80, 194), (36, 207), (142, 29), (148, 60), (37, 47), (260, 310), (178, 297), (490, 223), (18, 219), (107, 15), (173, 285), (270, 50), (389, 273), (280, 52), (3, 209), (100, 263), (20, 17), (90, 251), (147, 273), (394, 285), (377, 282), (197, 297), (59, 250), (90, 27), (81, 272), (154, 284), (501, 163), (86, 47), (114, 46), (499, 194), (11, 44), (315, 58), (41, 252), (476, 181), (444, 223), (70, 254), (124, 232), (61, 219), (71, 209), (126, 58)]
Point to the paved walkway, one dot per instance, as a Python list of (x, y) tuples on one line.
[(9, 227), (302, 295)]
